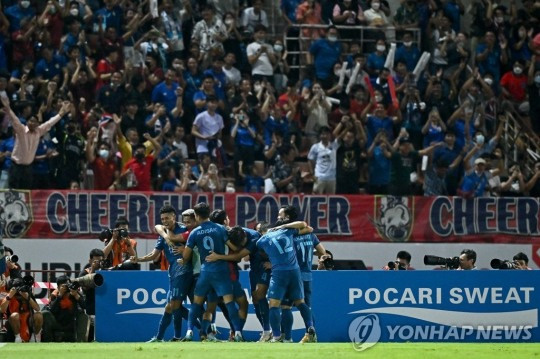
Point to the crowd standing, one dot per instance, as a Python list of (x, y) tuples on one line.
[(201, 96)]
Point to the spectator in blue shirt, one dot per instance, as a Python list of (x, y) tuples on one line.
[(165, 92), (41, 170), (253, 180), (17, 12), (244, 134), (454, 9), (110, 16), (476, 184), (6, 147), (408, 52), (376, 60), (326, 53), (379, 164), (50, 66), (378, 122), (491, 55), (220, 79)]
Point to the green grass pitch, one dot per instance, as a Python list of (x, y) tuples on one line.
[(266, 350)]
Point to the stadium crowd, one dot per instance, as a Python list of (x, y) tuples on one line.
[(199, 96)]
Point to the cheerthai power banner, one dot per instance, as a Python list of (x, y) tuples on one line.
[(82, 214), (363, 307)]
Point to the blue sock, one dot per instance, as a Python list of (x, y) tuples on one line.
[(275, 321), (287, 322), (205, 326), (194, 313), (306, 314), (177, 322), (258, 312), (233, 316), (163, 325), (265, 313), (185, 315)]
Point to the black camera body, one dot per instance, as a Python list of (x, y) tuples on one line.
[(450, 263), (107, 234), (504, 264), (74, 286), (26, 285), (13, 259), (394, 265)]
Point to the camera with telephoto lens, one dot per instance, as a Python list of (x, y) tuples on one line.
[(13, 259), (398, 265), (26, 285), (504, 264), (107, 234), (450, 263), (328, 263), (74, 286)]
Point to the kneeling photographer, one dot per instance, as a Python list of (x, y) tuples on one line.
[(24, 316), (520, 261), (119, 247), (94, 264), (65, 313)]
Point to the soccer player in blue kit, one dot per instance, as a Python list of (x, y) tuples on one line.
[(210, 237), (286, 280), (245, 240), (180, 277)]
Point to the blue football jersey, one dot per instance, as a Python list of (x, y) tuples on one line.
[(278, 245), (174, 268), (209, 237), (304, 245)]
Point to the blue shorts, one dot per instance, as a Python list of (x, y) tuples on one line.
[(219, 281), (238, 291), (286, 284), (288, 301), (256, 277), (211, 297), (179, 286)]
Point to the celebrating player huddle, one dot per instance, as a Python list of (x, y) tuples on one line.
[(203, 253)]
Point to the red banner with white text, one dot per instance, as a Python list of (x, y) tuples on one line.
[(83, 214)]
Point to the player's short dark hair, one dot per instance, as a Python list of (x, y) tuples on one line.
[(404, 255), (202, 210), (236, 235), (96, 252), (167, 209), (521, 257), (218, 216), (470, 254), (291, 212), (121, 221)]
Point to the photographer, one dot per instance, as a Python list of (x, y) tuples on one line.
[(522, 261), (118, 246), (94, 264), (467, 260), (402, 262), (65, 313), (13, 269), (24, 317), (326, 261)]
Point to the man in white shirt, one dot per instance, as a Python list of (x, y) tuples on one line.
[(253, 16), (207, 128), (322, 156), (232, 73), (261, 56)]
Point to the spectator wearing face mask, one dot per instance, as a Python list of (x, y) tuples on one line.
[(18, 12), (514, 83), (141, 167), (375, 16), (103, 162), (326, 53)]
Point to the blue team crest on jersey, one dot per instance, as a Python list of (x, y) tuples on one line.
[(394, 217)]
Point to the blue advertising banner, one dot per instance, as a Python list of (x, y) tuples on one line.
[(360, 306)]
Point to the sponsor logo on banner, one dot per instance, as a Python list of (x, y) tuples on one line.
[(15, 213), (394, 217), (365, 332)]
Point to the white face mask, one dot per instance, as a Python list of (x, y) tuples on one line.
[(408, 43), (257, 88), (378, 99), (489, 81), (229, 22), (104, 154), (278, 48), (25, 4), (518, 70), (74, 12), (29, 88), (337, 72), (381, 48), (376, 5), (480, 139), (332, 38), (499, 19)]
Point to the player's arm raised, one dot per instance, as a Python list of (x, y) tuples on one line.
[(149, 257), (300, 225)]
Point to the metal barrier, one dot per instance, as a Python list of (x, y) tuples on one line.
[(390, 32), (515, 133)]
